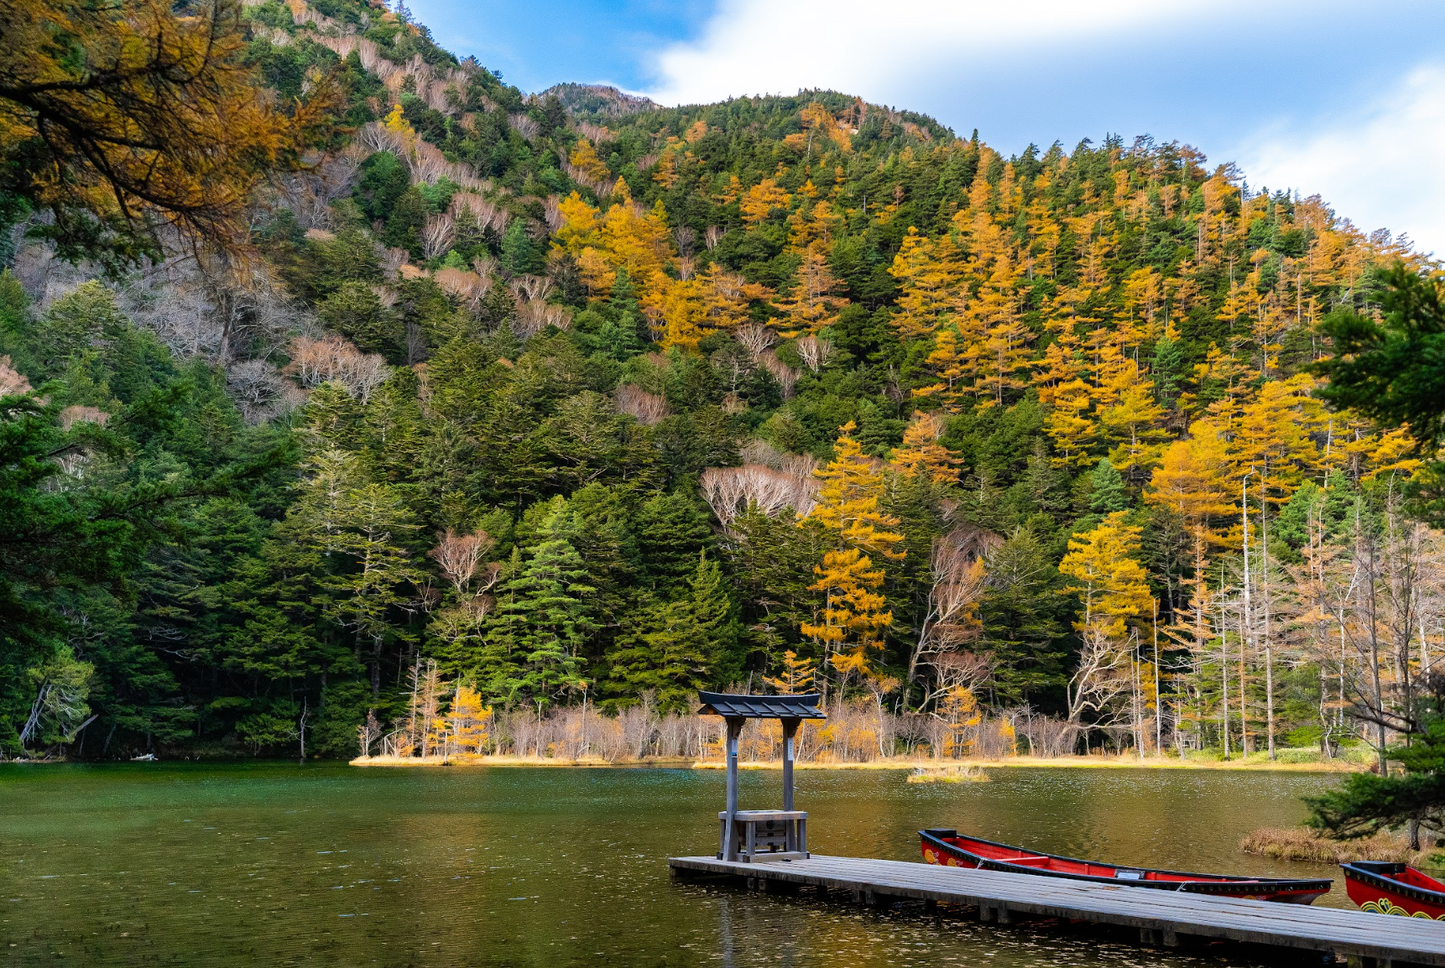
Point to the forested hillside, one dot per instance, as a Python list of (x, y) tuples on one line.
[(541, 401)]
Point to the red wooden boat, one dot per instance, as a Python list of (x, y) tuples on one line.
[(1384, 888), (952, 849)]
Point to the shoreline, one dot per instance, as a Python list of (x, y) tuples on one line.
[(894, 763)]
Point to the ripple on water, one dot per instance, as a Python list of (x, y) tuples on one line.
[(323, 865)]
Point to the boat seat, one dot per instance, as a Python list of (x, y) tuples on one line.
[(1127, 875), (1028, 861)]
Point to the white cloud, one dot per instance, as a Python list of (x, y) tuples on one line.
[(1377, 164), (866, 48)]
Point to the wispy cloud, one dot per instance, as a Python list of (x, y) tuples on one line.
[(1376, 163)]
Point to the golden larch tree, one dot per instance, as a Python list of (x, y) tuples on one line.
[(854, 614), (128, 116), (1113, 590), (920, 453), (929, 279)]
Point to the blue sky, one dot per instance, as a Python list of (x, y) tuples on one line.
[(1346, 100)]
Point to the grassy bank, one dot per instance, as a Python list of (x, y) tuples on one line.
[(1302, 844), (1061, 762)]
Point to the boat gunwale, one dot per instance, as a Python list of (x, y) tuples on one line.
[(1361, 872), (1221, 883)]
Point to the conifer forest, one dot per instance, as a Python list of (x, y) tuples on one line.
[(353, 401)]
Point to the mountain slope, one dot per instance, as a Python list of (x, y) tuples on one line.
[(587, 398)]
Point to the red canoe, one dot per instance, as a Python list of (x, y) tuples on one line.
[(1384, 888), (952, 849)]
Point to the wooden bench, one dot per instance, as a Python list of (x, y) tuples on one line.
[(765, 835)]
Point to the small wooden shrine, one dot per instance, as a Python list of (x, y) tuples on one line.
[(748, 835)]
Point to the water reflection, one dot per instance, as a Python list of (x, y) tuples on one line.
[(278, 865)]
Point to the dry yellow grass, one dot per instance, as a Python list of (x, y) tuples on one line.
[(890, 763), (1300, 843), (949, 774), (1061, 762)]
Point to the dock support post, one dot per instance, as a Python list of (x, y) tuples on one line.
[(997, 913), (797, 830), (790, 729), (1159, 937), (730, 848)]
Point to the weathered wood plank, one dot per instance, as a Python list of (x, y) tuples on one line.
[(1162, 915)]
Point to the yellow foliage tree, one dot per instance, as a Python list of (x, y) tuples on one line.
[(921, 454), (946, 362), (624, 238), (854, 616), (141, 114), (760, 201), (1110, 583), (818, 121), (728, 296), (1113, 591), (848, 501), (796, 675), (580, 222), (1133, 423), (589, 166), (929, 277), (999, 337), (815, 300), (676, 310), (469, 721), (959, 709), (1192, 480), (1272, 436), (1070, 425)]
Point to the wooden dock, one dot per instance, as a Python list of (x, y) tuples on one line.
[(1163, 918)]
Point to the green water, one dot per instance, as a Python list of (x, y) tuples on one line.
[(267, 864)]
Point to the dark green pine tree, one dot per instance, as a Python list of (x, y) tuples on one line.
[(672, 530), (1106, 489), (519, 253), (1368, 803), (496, 666), (547, 616), (679, 646), (1022, 618), (354, 311), (407, 218), (1167, 371)]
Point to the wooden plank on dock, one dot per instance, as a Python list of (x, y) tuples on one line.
[(1163, 915)]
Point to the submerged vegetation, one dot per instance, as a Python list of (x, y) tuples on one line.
[(469, 421)]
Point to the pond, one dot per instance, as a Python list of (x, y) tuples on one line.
[(271, 864)]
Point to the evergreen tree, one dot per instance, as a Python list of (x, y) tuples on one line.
[(1106, 489), (678, 646), (1022, 619), (545, 617)]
